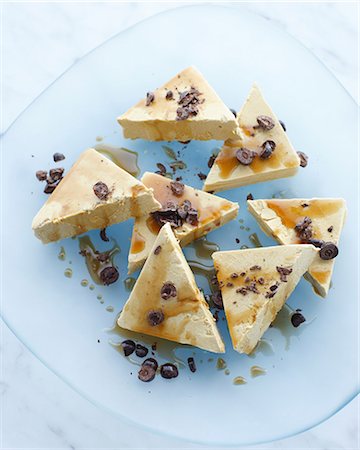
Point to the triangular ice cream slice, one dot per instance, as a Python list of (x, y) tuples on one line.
[(184, 108), (227, 172), (255, 284), (74, 208), (213, 212), (278, 218), (166, 302)]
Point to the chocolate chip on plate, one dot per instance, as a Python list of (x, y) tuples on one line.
[(265, 122), (109, 275), (304, 159), (177, 188), (267, 149), (146, 373), (283, 125), (168, 290), (150, 97), (50, 187), (297, 319), (41, 175), (141, 351), (58, 157), (55, 174), (233, 111), (328, 251), (211, 161), (103, 235), (169, 370), (217, 299), (250, 197), (101, 190), (245, 156), (151, 362), (202, 176), (191, 364), (157, 250), (128, 347), (169, 95), (155, 317), (316, 242)]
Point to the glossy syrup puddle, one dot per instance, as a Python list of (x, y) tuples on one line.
[(122, 157)]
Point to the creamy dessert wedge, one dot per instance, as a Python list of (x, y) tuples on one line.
[(263, 152), (318, 221), (184, 108), (95, 193), (192, 214), (255, 285), (166, 302)]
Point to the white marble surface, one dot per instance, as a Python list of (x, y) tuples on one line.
[(40, 40)]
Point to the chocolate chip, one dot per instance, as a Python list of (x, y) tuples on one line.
[(237, 240), (169, 370), (229, 284), (169, 95), (150, 97), (216, 316), (155, 317), (283, 125), (109, 275), (217, 299), (151, 362), (249, 197), (192, 217), (297, 319), (265, 122), (192, 365), (247, 279), (284, 272), (330, 229), (103, 235), (255, 267), (242, 274), (41, 175), (273, 287), (315, 242), (128, 347), (261, 280), (55, 174), (168, 290), (202, 176), (50, 187), (58, 157), (101, 190), (161, 167), (270, 294), (328, 251), (252, 288), (146, 373), (304, 159), (177, 188), (157, 250), (242, 291), (234, 275), (141, 351), (245, 156), (211, 161), (184, 143), (188, 101), (267, 149), (233, 111), (304, 229), (304, 205)]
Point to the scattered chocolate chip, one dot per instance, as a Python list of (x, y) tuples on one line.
[(283, 125), (270, 294), (202, 176), (315, 242), (304, 229), (155, 317), (169, 95), (245, 156), (252, 288), (168, 290), (141, 351), (242, 291), (284, 272), (50, 187), (151, 362), (249, 197), (41, 175), (211, 161), (234, 275), (109, 275), (58, 157), (216, 316), (247, 279), (242, 274), (297, 319), (103, 235), (233, 111), (267, 149), (188, 101), (237, 240), (217, 299), (55, 174), (265, 122), (154, 346), (161, 167), (255, 267), (330, 229), (128, 347), (177, 165), (169, 370), (304, 159), (146, 373), (157, 250), (304, 205), (214, 281), (150, 97), (192, 365), (273, 287), (261, 280), (168, 214), (229, 284), (328, 251), (101, 190), (192, 217), (177, 188)]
